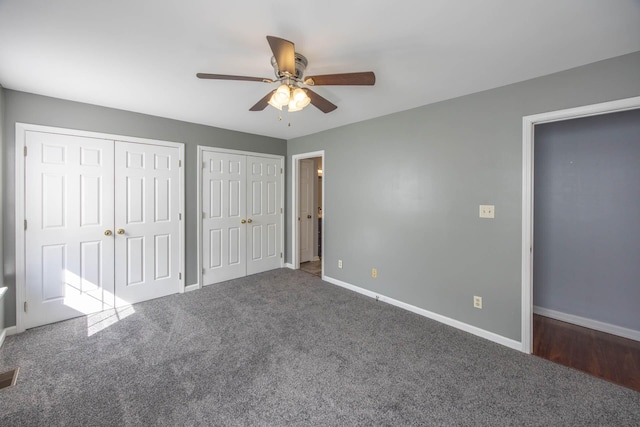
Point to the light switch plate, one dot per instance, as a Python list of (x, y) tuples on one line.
[(487, 211)]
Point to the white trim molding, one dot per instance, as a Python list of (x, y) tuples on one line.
[(11, 330), (528, 125), (588, 323), (193, 287), (499, 339), (295, 226)]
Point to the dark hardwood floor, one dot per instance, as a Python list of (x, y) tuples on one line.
[(607, 356)]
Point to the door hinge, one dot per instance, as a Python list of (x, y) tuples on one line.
[(203, 215), (280, 254), (25, 306), (179, 276), (281, 171), (25, 151), (204, 271), (180, 216), (280, 210), (25, 224), (179, 163), (204, 165)]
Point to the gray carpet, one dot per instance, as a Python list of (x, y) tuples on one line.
[(285, 348)]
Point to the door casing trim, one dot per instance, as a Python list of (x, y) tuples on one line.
[(295, 209), (528, 124)]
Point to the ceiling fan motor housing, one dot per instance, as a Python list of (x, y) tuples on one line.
[(301, 66)]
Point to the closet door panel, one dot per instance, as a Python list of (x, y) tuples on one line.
[(68, 241), (264, 201), (147, 224), (224, 225)]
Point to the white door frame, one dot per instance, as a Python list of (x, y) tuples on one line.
[(20, 144), (528, 123), (201, 149), (295, 208)]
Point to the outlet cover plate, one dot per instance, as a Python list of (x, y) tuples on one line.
[(487, 211), (477, 301)]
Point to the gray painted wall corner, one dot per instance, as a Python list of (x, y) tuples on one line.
[(402, 194)]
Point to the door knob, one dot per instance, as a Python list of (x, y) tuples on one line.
[(108, 232), (242, 221), (249, 220), (120, 231), (309, 216)]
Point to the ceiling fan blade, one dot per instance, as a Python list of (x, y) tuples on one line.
[(228, 77), (319, 102), (262, 104), (284, 52), (366, 78)]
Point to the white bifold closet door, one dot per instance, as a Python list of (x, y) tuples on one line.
[(101, 225), (147, 225), (242, 216)]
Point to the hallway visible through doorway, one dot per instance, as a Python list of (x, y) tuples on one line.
[(312, 267)]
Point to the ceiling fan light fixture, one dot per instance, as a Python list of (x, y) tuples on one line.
[(300, 98), (282, 95), (273, 102), (293, 107)]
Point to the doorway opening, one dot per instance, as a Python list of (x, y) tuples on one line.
[(570, 313), (308, 213)]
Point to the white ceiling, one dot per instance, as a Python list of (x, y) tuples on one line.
[(143, 55)]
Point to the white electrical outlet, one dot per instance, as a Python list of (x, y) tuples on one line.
[(339, 263), (487, 211), (477, 301)]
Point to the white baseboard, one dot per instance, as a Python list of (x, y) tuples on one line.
[(289, 265), (508, 342), (190, 288), (11, 330), (315, 258), (588, 323)]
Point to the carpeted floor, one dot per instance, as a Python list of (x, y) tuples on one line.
[(285, 348)]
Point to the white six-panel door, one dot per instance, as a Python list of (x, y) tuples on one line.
[(224, 201), (242, 215), (263, 214), (68, 240), (146, 222), (102, 225)]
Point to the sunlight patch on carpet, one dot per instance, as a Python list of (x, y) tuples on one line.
[(102, 320)]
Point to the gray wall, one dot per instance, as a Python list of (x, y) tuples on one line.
[(587, 218), (402, 193), (28, 108)]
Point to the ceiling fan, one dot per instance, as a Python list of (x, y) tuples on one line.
[(289, 67)]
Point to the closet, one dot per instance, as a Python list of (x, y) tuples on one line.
[(102, 222), (242, 214)]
